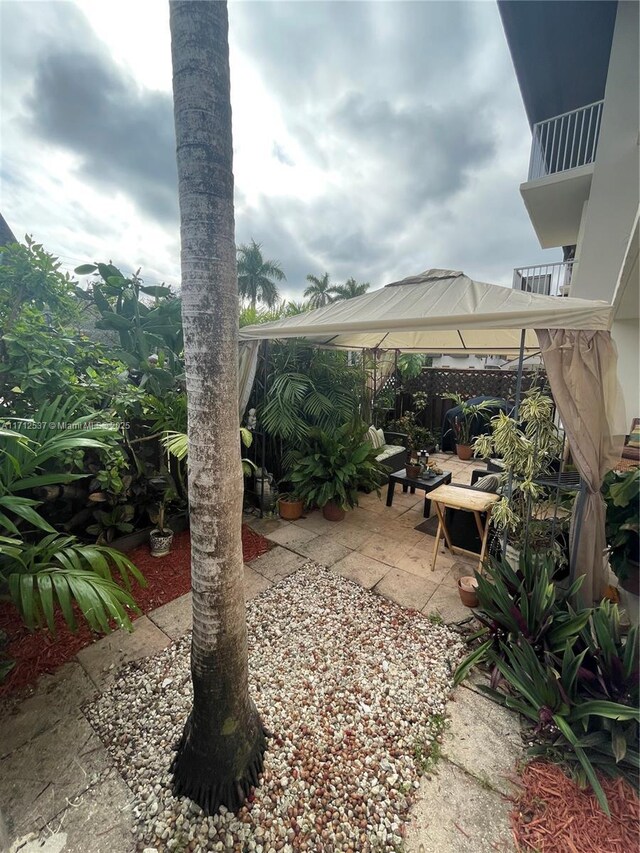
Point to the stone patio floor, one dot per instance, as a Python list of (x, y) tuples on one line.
[(56, 781)]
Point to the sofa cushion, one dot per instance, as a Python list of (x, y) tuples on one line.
[(373, 438), (390, 450), (634, 435), (490, 483), (381, 437)]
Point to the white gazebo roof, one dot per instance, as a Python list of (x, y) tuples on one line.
[(441, 311)]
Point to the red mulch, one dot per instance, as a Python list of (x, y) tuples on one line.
[(37, 652), (554, 815)]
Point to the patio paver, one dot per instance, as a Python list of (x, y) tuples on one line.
[(453, 813), (322, 549), (277, 563), (174, 618), (406, 589), (445, 601), (363, 570), (40, 777), (102, 659), (254, 583), (291, 535), (486, 739), (55, 697)]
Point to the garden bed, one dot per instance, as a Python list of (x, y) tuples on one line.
[(554, 814), (354, 690), (39, 652)]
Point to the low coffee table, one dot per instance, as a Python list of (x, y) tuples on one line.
[(427, 484)]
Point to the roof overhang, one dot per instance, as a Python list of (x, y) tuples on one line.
[(560, 51)]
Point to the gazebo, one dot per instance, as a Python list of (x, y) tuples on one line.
[(446, 311)]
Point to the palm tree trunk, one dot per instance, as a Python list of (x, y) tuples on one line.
[(221, 752)]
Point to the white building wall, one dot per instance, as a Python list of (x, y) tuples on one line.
[(609, 216), (625, 334)]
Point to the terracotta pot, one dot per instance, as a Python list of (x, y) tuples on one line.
[(290, 510), (467, 586), (160, 542), (412, 471), (333, 512), (464, 451)]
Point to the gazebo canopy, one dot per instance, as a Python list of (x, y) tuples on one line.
[(440, 311)]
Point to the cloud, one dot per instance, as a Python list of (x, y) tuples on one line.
[(122, 136)]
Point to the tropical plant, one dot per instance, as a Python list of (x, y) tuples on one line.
[(177, 444), (257, 277), (220, 754), (59, 571), (308, 388), (522, 603), (470, 415), (36, 571), (410, 365), (334, 465), (150, 333), (320, 291), (418, 437), (621, 492), (572, 673), (350, 289), (528, 447)]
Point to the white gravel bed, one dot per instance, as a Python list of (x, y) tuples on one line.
[(353, 689)]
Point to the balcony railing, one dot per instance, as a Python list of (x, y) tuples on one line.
[(565, 142), (549, 279)]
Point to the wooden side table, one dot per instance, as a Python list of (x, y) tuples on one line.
[(467, 499)]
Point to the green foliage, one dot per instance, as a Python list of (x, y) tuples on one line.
[(308, 388), (523, 603), (418, 437), (257, 277), (571, 673), (59, 571), (528, 448), (350, 289), (621, 492), (150, 332), (334, 465), (320, 291), (410, 365), (36, 571), (470, 414)]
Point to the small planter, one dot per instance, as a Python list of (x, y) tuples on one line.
[(160, 542), (512, 556), (467, 587), (464, 451), (290, 510), (412, 471), (333, 512)]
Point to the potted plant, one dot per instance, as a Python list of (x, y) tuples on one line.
[(621, 491), (528, 447), (418, 438), (161, 536), (464, 422), (333, 467), (290, 504)]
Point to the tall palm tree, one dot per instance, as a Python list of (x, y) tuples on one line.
[(350, 289), (256, 277), (221, 751), (320, 291)]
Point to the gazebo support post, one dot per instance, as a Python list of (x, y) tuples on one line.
[(516, 409)]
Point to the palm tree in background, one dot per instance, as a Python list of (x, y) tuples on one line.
[(292, 307), (220, 754), (351, 288), (256, 277), (320, 291)]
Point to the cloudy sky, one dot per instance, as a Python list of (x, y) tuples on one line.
[(372, 139)]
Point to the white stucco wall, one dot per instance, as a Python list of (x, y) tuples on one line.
[(625, 334), (613, 201)]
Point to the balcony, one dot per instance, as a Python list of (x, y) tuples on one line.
[(563, 152), (565, 142), (549, 279)]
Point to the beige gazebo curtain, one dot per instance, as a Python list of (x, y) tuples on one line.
[(247, 363), (581, 367)]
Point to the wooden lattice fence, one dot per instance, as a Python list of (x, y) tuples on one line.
[(439, 384)]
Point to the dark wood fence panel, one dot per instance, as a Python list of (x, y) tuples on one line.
[(440, 383)]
